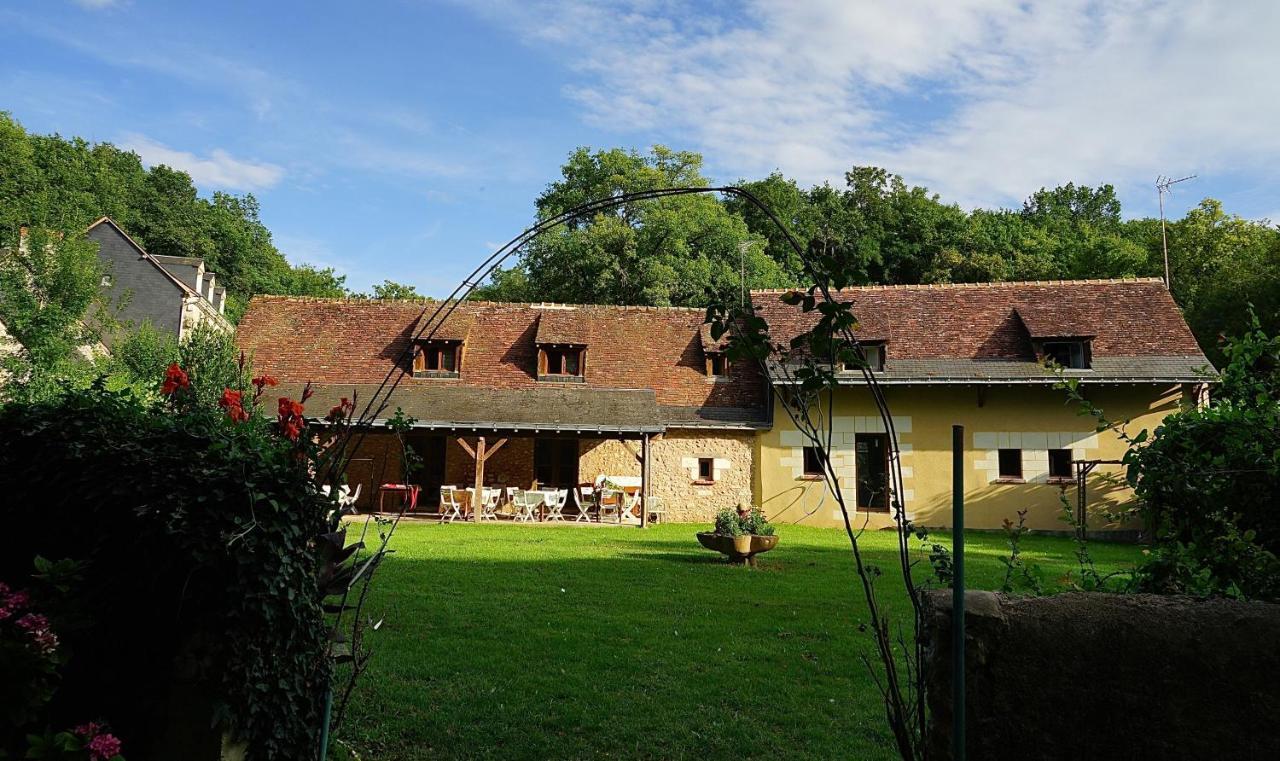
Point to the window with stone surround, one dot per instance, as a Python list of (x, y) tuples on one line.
[(1060, 464), (1011, 464), (812, 463), (706, 470)]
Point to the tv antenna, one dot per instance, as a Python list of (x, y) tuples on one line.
[(1163, 188)]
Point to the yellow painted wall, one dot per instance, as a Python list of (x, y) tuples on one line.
[(1041, 418)]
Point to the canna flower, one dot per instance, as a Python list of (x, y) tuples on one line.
[(232, 402), (175, 378), (341, 411)]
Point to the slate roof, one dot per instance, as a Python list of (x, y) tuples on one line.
[(346, 342), (983, 331), (560, 408)]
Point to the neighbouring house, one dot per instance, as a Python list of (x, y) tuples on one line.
[(581, 391), (173, 293)]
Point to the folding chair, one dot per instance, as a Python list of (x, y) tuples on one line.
[(526, 506), (450, 507), (555, 500)]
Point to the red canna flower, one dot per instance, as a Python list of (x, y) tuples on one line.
[(174, 378), (341, 411), (264, 380), (232, 402), (289, 413)]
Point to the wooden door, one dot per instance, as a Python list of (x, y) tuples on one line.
[(555, 462), (431, 475)]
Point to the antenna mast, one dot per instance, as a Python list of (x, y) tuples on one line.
[(1163, 186)]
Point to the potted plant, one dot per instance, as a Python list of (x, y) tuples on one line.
[(740, 534)]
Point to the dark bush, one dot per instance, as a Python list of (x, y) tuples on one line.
[(197, 538)]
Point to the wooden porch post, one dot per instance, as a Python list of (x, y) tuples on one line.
[(477, 497), (644, 480)]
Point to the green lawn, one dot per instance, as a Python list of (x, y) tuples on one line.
[(506, 641)]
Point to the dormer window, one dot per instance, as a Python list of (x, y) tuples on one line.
[(874, 352), (437, 359), (561, 363), (1073, 355), (717, 365)]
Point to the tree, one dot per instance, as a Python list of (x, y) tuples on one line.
[(64, 185), (669, 251), (389, 289)]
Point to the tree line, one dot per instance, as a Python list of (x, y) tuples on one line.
[(689, 250)]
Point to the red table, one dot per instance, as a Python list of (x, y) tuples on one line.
[(408, 495)]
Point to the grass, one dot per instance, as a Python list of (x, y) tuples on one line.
[(505, 641)]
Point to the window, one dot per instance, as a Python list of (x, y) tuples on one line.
[(812, 462), (436, 359), (706, 469), (1069, 354), (1011, 463), (1059, 463), (562, 362), (875, 357), (717, 364)]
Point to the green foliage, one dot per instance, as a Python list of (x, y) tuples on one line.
[(669, 251), (1207, 480), (214, 362), (140, 356), (390, 289), (198, 538), (730, 522), (63, 185)]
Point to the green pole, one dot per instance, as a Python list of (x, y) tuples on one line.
[(324, 728), (957, 593)]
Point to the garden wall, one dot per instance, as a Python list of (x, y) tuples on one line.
[(1094, 676)]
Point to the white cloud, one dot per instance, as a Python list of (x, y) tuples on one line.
[(984, 100), (220, 169)]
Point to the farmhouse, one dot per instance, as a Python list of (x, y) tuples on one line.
[(562, 395)]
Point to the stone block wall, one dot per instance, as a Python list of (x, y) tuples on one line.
[(1100, 677), (675, 472)]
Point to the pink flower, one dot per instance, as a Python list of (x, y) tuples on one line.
[(104, 747), (18, 599), (37, 627), (88, 729)]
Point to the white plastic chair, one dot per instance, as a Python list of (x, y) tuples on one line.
[(586, 500), (555, 504), (450, 507), (348, 498), (489, 504), (657, 513), (526, 505)]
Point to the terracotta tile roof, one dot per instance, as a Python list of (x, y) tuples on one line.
[(564, 325), (1128, 318), (454, 326), (1046, 321), (348, 341)]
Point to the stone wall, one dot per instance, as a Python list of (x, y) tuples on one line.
[(675, 472), (1094, 676)]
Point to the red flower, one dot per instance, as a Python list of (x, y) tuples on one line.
[(174, 378), (340, 411), (89, 729), (232, 402), (264, 380), (290, 414)]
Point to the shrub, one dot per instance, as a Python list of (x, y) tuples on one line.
[(731, 522), (197, 534)]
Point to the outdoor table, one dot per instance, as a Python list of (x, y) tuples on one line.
[(542, 500), (408, 495)]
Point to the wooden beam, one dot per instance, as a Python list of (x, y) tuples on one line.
[(494, 449), (627, 445), (644, 481), (463, 443), (477, 497)]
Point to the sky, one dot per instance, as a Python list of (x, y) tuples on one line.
[(406, 139)]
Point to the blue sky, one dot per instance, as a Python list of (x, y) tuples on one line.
[(403, 139)]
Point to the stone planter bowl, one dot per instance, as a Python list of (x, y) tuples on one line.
[(740, 549)]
